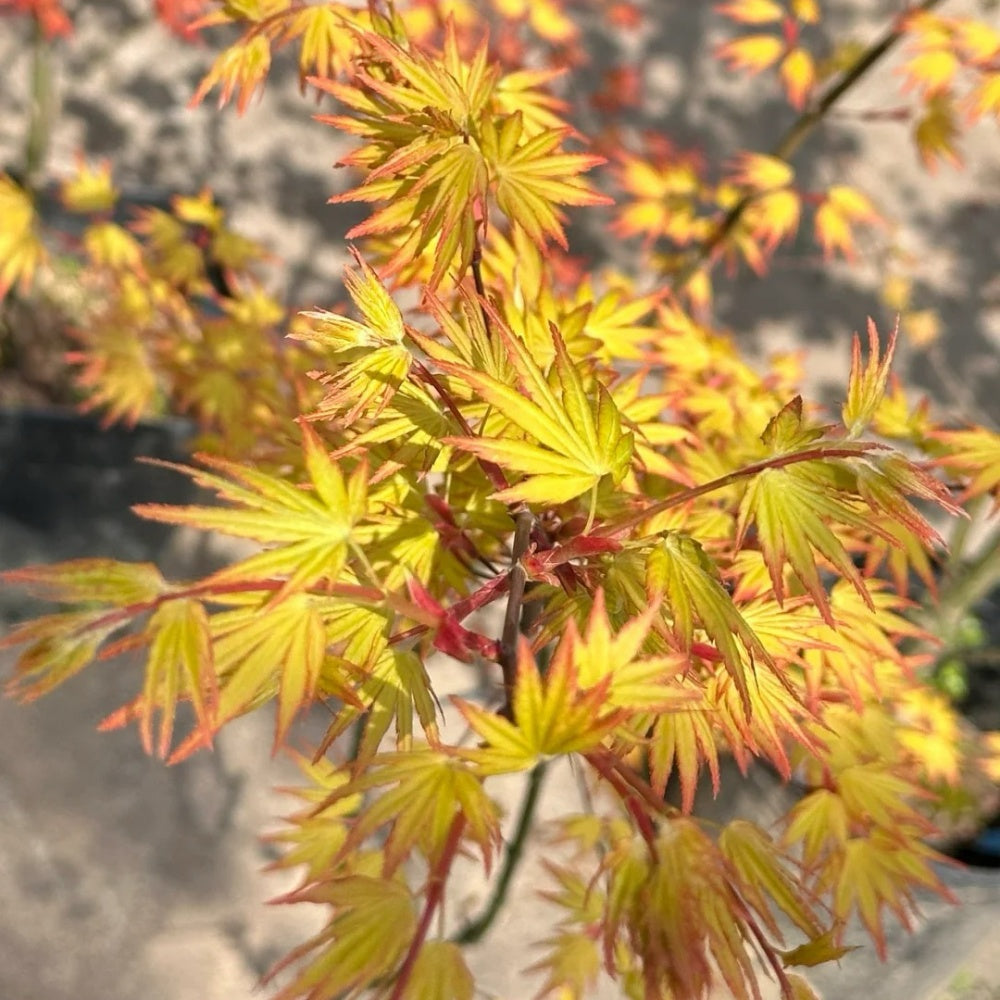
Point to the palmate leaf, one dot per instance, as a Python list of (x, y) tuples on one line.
[(59, 646), (179, 665), (90, 581), (975, 454), (373, 922), (613, 657), (423, 791), (439, 973), (580, 437), (21, 247), (866, 386), (530, 179), (394, 687), (765, 874), (318, 830), (552, 715), (790, 508), (679, 570), (880, 871), (376, 359), (311, 530)]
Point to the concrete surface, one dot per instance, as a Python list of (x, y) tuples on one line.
[(122, 879)]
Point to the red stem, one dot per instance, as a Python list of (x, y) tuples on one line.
[(779, 462), (435, 893)]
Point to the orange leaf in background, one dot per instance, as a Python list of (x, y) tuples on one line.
[(798, 74), (844, 206), (752, 11), (979, 42), (931, 73), (753, 53), (241, 69), (762, 172), (49, 14), (774, 218), (180, 15), (806, 10), (984, 98)]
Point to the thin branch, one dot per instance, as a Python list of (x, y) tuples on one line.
[(476, 928), (523, 522), (799, 131), (435, 893), (684, 496)]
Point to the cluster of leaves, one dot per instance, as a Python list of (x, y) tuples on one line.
[(686, 560)]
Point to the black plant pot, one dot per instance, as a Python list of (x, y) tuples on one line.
[(64, 474)]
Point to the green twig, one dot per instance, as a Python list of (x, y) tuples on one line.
[(790, 142), (970, 584), (476, 928), (40, 111)]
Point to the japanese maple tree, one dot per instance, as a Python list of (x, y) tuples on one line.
[(686, 560)]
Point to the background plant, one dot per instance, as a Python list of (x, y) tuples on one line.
[(688, 560)]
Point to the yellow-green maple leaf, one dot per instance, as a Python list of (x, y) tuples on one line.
[(552, 715), (579, 434), (311, 531)]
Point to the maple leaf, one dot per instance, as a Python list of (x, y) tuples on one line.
[(21, 249), (761, 868), (580, 437), (327, 41), (531, 178), (798, 74), (820, 822), (179, 665), (320, 829), (773, 217), (117, 371), (376, 360), (312, 534), (679, 569), (791, 506), (866, 388), (984, 98), (974, 453), (936, 131), (60, 645), (553, 715), (753, 52), (842, 208), (372, 923), (89, 189), (49, 14), (241, 69), (439, 973), (752, 11), (611, 659), (422, 792), (263, 651), (760, 172), (878, 871), (394, 687), (931, 71), (108, 245)]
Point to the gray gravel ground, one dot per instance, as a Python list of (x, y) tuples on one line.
[(122, 879)]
